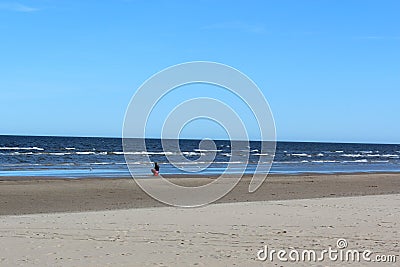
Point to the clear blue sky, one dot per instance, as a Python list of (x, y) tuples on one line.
[(329, 69)]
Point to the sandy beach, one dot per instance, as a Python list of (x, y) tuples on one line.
[(104, 222), (22, 195), (201, 93)]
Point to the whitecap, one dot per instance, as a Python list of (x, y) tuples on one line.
[(365, 152), (142, 153), (393, 156), (208, 150), (228, 162), (361, 160), (357, 161), (300, 155), (59, 154), (324, 161), (85, 153), (21, 148), (352, 155), (23, 153), (286, 162), (192, 153)]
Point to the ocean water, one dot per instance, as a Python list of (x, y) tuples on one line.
[(75, 157)]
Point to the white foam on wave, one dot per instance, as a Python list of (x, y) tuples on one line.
[(357, 161), (21, 164), (286, 162), (161, 153), (133, 162), (352, 155), (330, 152), (85, 153), (21, 148), (393, 156), (122, 153), (59, 153), (191, 153), (365, 152), (193, 163), (300, 155), (142, 153), (23, 153), (69, 148), (361, 161), (260, 154), (324, 161), (207, 162), (230, 162), (208, 150)]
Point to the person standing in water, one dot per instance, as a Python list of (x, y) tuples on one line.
[(156, 169)]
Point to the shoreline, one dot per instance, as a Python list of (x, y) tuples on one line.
[(187, 176), (38, 195)]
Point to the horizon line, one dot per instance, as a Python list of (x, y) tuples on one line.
[(277, 141)]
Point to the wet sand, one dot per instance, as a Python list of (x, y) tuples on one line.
[(19, 195)]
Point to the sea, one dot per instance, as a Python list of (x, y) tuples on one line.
[(85, 157)]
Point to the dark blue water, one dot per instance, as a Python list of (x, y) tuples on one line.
[(83, 156)]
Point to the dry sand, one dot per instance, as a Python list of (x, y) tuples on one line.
[(228, 234), (301, 212)]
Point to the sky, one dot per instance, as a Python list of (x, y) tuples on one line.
[(330, 70)]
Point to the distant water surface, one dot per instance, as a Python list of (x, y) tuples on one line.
[(73, 157)]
